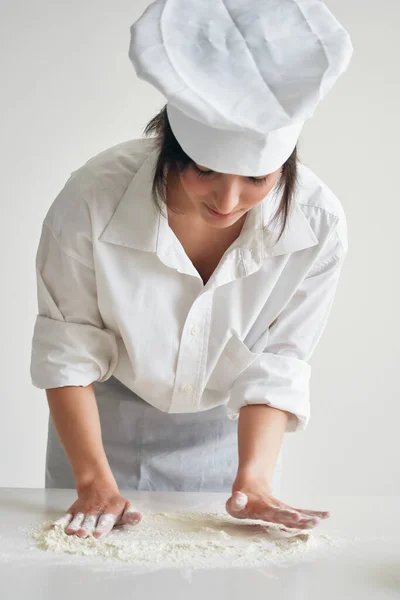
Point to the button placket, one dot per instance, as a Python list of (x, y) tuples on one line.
[(188, 388), (191, 359)]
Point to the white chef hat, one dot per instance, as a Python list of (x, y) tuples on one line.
[(240, 76)]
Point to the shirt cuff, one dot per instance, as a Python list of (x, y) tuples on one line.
[(67, 353), (275, 380)]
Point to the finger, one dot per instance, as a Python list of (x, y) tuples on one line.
[(294, 516), (287, 517), (300, 513), (62, 521), (105, 524), (287, 513), (75, 524), (277, 514), (293, 530), (302, 523), (88, 525), (239, 501), (130, 516), (323, 514), (309, 523), (236, 505)]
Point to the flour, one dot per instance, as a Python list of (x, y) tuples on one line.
[(190, 539)]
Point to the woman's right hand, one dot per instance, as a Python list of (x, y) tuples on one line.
[(98, 508)]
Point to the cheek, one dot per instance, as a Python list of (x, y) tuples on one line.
[(264, 190), (251, 198), (195, 186), (256, 193)]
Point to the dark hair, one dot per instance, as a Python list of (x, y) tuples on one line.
[(171, 155)]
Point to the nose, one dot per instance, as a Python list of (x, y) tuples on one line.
[(226, 201), (225, 208)]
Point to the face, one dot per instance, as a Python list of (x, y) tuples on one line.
[(218, 199)]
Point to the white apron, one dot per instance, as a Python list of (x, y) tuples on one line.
[(151, 450)]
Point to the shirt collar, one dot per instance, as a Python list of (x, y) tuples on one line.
[(137, 224)]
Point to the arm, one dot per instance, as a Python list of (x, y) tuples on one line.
[(271, 397), (71, 348), (76, 419), (260, 433)]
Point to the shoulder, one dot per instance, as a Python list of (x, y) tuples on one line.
[(321, 206), (94, 189)]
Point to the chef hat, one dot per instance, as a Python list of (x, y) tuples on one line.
[(240, 76)]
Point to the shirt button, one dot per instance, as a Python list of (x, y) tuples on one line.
[(194, 330), (188, 388)]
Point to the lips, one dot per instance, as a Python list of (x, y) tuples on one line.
[(221, 214)]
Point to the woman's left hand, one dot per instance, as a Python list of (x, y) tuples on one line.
[(254, 500)]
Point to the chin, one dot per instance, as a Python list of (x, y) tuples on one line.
[(221, 224)]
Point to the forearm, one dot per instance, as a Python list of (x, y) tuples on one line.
[(260, 433), (76, 418)]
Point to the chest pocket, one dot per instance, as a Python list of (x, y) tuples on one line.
[(234, 359)]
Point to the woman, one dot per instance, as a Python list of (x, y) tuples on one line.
[(174, 346)]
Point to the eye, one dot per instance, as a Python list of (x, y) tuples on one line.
[(200, 172), (255, 180), (259, 181)]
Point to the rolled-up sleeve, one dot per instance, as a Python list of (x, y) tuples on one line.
[(280, 376), (70, 344)]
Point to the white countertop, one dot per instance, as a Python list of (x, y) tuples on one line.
[(369, 567)]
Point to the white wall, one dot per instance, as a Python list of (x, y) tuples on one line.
[(69, 91)]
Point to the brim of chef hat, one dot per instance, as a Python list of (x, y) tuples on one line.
[(234, 152)]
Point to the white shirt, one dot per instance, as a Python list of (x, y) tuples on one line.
[(117, 294)]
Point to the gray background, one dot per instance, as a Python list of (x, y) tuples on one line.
[(69, 91)]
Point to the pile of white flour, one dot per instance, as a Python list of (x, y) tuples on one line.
[(191, 539)]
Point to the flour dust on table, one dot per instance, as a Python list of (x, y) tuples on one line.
[(190, 539)]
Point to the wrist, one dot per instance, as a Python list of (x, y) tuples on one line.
[(250, 478), (104, 479)]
